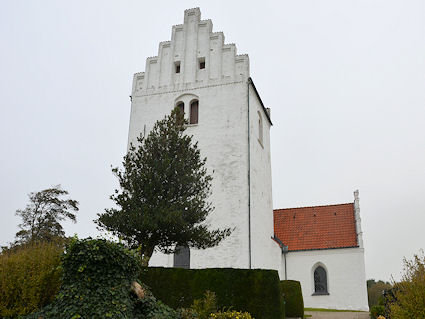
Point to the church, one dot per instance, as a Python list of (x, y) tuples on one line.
[(320, 246)]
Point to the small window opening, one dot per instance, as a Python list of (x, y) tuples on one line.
[(194, 108), (202, 63), (180, 106), (182, 257), (177, 66), (320, 281)]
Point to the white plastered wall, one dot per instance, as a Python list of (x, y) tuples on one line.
[(220, 135), (265, 252), (345, 272)]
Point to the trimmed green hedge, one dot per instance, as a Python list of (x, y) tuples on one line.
[(294, 303), (255, 291)]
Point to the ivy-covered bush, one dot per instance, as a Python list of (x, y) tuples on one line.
[(29, 277), (230, 315), (97, 276), (255, 291), (294, 303)]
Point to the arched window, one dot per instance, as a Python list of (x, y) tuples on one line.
[(194, 106), (260, 128), (182, 257), (180, 105), (320, 281)]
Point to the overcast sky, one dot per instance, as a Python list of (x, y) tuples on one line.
[(345, 81)]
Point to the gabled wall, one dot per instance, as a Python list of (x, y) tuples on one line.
[(345, 274), (190, 42)]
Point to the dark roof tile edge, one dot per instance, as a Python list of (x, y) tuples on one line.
[(328, 248)]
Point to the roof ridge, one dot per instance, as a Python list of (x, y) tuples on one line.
[(276, 209)]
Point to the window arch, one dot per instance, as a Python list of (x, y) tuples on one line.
[(189, 103), (180, 105), (182, 257), (260, 128), (194, 108), (320, 277)]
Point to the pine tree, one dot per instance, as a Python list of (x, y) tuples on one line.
[(163, 202)]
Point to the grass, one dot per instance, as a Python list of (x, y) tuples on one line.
[(331, 310)]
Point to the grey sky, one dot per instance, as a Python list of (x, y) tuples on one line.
[(345, 81)]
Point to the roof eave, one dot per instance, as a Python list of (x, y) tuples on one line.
[(328, 248)]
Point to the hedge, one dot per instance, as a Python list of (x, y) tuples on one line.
[(255, 291), (29, 277), (294, 303)]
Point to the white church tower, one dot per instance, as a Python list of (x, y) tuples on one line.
[(198, 72)]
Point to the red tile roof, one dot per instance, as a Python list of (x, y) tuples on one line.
[(317, 227)]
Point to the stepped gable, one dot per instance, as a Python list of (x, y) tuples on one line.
[(178, 61), (316, 227)]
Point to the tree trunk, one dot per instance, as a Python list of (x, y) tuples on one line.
[(146, 254)]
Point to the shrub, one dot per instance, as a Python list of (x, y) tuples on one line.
[(376, 311), (256, 291), (230, 315), (205, 306), (294, 303), (409, 294), (97, 277), (29, 277), (187, 313)]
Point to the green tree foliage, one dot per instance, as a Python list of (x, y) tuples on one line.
[(96, 281), (29, 277), (42, 216), (163, 200), (375, 290), (409, 294)]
